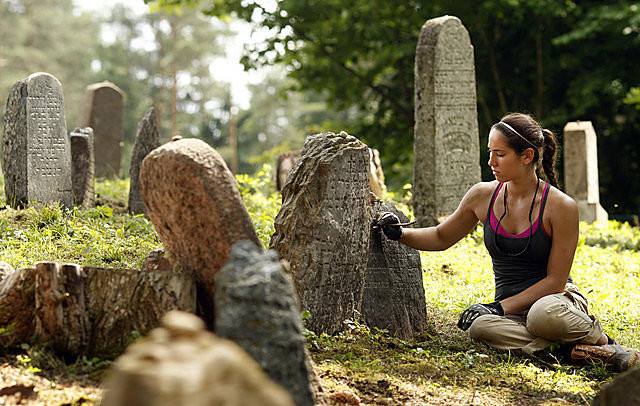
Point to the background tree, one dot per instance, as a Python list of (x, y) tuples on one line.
[(561, 61)]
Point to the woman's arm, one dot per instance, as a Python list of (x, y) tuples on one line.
[(563, 215), (471, 209)]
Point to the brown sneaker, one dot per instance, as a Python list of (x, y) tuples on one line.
[(619, 357)]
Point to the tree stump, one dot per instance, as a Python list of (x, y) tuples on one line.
[(86, 310)]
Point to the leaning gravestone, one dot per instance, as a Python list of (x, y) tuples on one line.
[(581, 170), (83, 167), (35, 148), (322, 229), (103, 110), (195, 206), (446, 151), (147, 139), (284, 164), (257, 308), (181, 363), (393, 292)]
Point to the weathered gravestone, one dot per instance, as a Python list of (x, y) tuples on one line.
[(581, 170), (83, 167), (376, 178), (36, 161), (195, 206), (181, 363), (257, 308), (86, 310), (322, 228), (147, 139), (102, 110), (393, 292), (446, 151), (623, 390)]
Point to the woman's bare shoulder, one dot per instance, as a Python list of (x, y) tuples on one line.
[(561, 207), (482, 190)]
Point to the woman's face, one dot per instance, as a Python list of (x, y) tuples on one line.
[(505, 163)]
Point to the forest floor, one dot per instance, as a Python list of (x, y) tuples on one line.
[(359, 366)]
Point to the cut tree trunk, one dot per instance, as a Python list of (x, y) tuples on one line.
[(85, 310)]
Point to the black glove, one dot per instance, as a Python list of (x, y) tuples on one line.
[(386, 222), (468, 316)]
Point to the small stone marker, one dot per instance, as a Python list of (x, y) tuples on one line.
[(284, 164), (446, 151), (36, 162), (322, 229), (103, 111), (581, 170), (83, 167), (181, 363), (257, 308), (623, 390), (393, 292), (147, 139), (195, 206)]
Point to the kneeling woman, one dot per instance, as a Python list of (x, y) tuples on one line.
[(531, 233)]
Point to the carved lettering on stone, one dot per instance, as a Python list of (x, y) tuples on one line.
[(322, 229), (446, 150), (36, 162)]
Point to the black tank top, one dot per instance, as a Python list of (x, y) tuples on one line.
[(513, 274)]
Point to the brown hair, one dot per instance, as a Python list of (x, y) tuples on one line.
[(523, 132)]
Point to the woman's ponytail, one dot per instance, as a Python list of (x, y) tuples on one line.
[(549, 156)]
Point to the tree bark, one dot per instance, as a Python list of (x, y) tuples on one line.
[(85, 310)]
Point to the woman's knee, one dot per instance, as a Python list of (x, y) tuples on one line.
[(553, 317), (481, 328)]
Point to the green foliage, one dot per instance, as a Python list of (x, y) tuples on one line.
[(262, 201), (614, 234)]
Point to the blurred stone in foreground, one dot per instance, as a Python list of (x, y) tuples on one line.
[(180, 363)]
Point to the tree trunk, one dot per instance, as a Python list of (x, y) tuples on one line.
[(85, 310)]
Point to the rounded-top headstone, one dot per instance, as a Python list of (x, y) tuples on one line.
[(103, 110), (36, 159), (195, 206)]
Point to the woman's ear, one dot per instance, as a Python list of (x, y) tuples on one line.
[(527, 156)]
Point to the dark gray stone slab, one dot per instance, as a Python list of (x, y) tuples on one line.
[(103, 111), (256, 307), (322, 229), (623, 390), (36, 162), (83, 167), (147, 139), (393, 296), (446, 151)]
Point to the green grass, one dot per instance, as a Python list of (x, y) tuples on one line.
[(443, 365)]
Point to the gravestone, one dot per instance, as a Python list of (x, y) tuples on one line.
[(36, 162), (102, 110), (180, 363), (322, 228), (257, 308), (83, 167), (376, 177), (581, 170), (446, 151), (393, 296), (195, 206), (623, 390), (284, 164), (147, 139)]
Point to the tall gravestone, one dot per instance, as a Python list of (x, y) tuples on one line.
[(102, 110), (322, 228), (581, 170), (446, 151), (195, 206), (83, 167), (393, 296), (257, 308), (36, 162), (147, 139)]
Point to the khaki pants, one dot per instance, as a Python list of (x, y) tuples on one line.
[(558, 317)]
